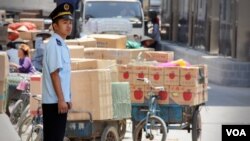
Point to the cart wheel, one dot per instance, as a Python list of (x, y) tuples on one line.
[(155, 126), (196, 125), (110, 134), (122, 127), (134, 125)]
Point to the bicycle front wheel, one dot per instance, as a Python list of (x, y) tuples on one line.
[(155, 129), (36, 133)]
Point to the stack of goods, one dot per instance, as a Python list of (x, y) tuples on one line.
[(93, 91), (122, 56), (184, 84), (27, 30), (4, 70)]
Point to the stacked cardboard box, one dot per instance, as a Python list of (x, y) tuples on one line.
[(88, 64), (91, 92), (110, 41), (86, 42), (122, 56), (159, 56), (76, 51), (182, 85)]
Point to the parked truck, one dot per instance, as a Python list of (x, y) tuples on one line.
[(109, 16)]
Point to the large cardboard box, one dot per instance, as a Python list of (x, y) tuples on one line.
[(72, 42), (185, 95), (160, 56), (139, 71), (110, 41), (125, 73), (172, 76), (137, 93), (156, 75), (163, 95), (87, 42), (37, 21), (93, 53), (84, 64), (189, 76), (203, 73), (76, 51), (4, 63), (91, 92)]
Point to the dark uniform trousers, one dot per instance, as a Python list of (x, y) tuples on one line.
[(54, 124)]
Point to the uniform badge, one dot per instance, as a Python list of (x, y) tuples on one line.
[(66, 7), (58, 42)]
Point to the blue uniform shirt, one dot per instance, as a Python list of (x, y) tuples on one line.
[(56, 56)]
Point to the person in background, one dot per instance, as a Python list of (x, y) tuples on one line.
[(56, 93), (37, 59), (25, 65), (156, 35), (12, 53)]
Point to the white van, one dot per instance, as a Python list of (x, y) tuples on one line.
[(111, 16)]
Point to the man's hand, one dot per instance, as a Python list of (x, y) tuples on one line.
[(70, 105), (62, 107)]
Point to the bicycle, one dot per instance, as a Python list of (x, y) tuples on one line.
[(151, 122), (20, 108), (36, 123)]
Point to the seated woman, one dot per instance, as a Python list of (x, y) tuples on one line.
[(25, 65)]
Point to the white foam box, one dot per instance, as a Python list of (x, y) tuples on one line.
[(91, 91)]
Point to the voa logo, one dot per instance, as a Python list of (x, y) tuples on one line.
[(236, 132)]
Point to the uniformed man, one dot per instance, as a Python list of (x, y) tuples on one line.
[(56, 94)]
